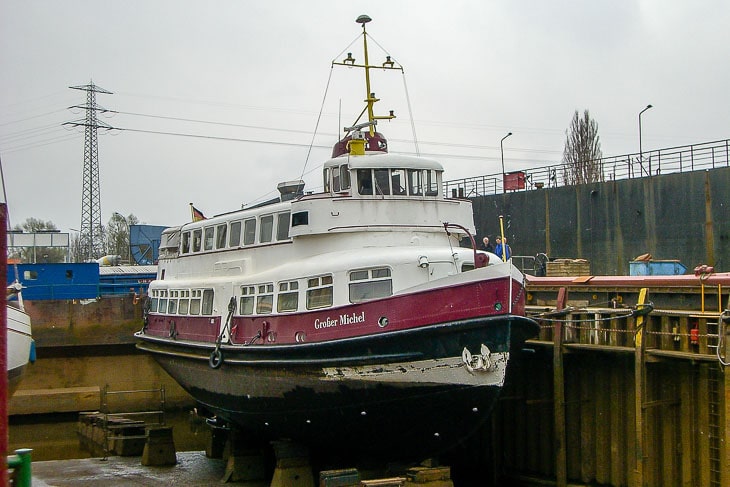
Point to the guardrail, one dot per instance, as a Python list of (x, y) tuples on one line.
[(708, 155)]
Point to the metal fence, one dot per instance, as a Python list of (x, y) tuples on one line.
[(708, 155)]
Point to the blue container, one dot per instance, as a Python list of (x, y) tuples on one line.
[(656, 268)]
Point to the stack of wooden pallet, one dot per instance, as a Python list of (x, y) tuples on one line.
[(568, 267)]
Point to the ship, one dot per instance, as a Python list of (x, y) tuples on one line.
[(361, 318)]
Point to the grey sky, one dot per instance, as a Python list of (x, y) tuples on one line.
[(474, 70)]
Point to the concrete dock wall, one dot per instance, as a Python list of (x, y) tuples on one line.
[(682, 216)]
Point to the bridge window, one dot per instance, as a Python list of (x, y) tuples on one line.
[(432, 183), (235, 238), (382, 181), (319, 292), (398, 180), (415, 182), (364, 181), (153, 305), (172, 307), (288, 298), (220, 236), (300, 218), (370, 284), (249, 231)]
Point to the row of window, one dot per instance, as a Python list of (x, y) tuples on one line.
[(285, 297), (236, 233), (399, 182)]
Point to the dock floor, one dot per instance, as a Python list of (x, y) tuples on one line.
[(192, 469)]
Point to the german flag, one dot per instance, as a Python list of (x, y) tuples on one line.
[(196, 213)]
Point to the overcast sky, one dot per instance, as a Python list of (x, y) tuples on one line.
[(248, 80)]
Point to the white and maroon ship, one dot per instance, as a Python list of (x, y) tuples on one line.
[(351, 314)]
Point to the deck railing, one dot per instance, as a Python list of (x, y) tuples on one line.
[(708, 155)]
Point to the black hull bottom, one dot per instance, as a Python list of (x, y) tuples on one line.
[(341, 419)]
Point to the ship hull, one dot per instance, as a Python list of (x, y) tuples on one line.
[(19, 346), (413, 393)]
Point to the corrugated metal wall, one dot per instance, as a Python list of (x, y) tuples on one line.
[(683, 216)]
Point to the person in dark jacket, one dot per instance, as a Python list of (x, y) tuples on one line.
[(486, 245)]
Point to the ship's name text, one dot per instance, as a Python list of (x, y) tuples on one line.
[(349, 319)]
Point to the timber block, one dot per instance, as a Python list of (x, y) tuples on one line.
[(429, 475), (56, 400), (389, 482), (159, 449), (348, 477)]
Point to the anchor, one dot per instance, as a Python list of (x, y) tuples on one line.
[(478, 363)]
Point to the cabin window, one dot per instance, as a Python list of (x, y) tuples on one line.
[(398, 180), (172, 307), (249, 231), (207, 308), (208, 241), (415, 182), (197, 239), (220, 236), (288, 298), (370, 284), (185, 244), (267, 228), (248, 294), (183, 306), (432, 185), (195, 302), (265, 299), (153, 305), (364, 181), (319, 292), (282, 225), (235, 238), (300, 218), (163, 305), (382, 181)]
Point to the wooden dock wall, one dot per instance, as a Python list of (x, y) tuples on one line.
[(602, 397)]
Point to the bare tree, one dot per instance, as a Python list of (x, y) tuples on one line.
[(582, 153), (117, 235)]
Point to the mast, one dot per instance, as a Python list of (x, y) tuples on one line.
[(370, 98)]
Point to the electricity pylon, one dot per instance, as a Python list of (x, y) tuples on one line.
[(92, 233)]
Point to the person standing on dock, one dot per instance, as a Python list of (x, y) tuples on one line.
[(502, 249), (486, 245)]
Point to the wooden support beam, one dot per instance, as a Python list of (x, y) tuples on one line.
[(561, 471), (639, 376)]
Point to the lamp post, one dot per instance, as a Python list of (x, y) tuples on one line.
[(501, 150), (641, 153)]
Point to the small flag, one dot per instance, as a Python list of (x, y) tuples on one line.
[(196, 213)]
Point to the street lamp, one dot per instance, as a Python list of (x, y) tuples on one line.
[(641, 153), (501, 150)]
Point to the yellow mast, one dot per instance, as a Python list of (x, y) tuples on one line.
[(370, 98)]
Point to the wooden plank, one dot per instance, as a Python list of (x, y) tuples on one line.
[(702, 415), (603, 425), (618, 419), (588, 423), (561, 472), (687, 426)]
